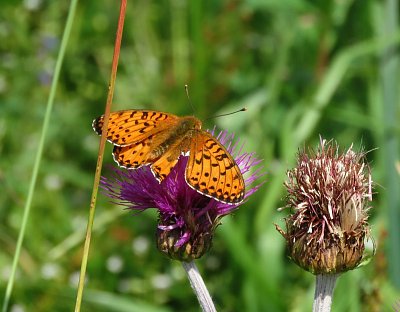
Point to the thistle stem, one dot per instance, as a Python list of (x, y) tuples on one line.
[(325, 284), (199, 287)]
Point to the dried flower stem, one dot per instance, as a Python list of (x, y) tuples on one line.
[(96, 181), (325, 284), (199, 287)]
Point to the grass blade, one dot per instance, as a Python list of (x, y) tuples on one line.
[(36, 166)]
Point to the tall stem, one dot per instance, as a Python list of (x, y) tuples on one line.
[(96, 181), (390, 79)]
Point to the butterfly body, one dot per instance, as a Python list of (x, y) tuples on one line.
[(178, 136), (158, 139)]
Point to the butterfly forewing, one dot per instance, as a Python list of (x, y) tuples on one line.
[(132, 126), (212, 171)]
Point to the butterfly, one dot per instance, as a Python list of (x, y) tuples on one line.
[(158, 139)]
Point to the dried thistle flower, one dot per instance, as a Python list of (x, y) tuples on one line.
[(329, 194)]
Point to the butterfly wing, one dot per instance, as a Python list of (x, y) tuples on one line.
[(163, 166), (212, 171), (133, 156), (132, 126)]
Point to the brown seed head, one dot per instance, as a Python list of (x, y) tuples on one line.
[(329, 194)]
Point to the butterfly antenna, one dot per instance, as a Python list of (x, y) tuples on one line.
[(188, 97), (222, 115)]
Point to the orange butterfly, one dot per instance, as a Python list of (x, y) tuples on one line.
[(145, 137)]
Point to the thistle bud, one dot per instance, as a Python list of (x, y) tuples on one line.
[(170, 243), (328, 194)]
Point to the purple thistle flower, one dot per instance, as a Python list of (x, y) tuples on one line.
[(187, 219)]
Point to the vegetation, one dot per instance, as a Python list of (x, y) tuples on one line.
[(301, 68)]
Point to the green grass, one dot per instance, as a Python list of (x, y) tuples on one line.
[(302, 69)]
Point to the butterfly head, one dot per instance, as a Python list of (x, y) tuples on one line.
[(188, 123)]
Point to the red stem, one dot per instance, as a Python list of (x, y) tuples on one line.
[(96, 182)]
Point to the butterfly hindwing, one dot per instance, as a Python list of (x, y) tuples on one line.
[(132, 126), (132, 156), (163, 166), (212, 171)]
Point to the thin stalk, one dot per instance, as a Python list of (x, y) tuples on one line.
[(325, 284), (199, 287), (389, 69), (96, 181), (39, 153)]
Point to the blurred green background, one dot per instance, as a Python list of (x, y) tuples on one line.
[(302, 69)]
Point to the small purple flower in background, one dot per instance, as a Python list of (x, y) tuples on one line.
[(187, 219)]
